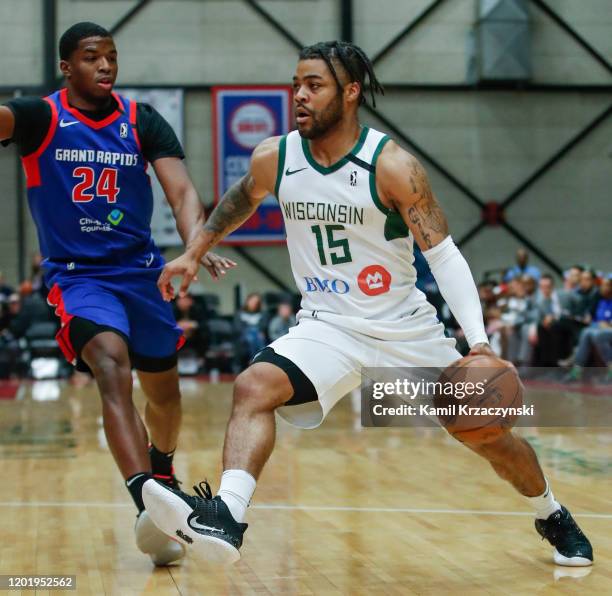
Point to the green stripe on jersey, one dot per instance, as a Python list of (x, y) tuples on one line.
[(282, 149)]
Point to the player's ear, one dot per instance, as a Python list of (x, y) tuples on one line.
[(352, 91), (65, 68)]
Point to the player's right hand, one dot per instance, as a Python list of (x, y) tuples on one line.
[(186, 266)]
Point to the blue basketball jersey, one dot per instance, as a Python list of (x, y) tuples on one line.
[(88, 189)]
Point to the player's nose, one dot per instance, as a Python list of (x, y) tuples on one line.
[(300, 96), (104, 65)]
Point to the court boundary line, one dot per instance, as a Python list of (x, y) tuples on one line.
[(322, 508)]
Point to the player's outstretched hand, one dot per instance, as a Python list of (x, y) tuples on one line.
[(186, 266), (217, 265)]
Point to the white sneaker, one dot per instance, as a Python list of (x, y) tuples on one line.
[(153, 542)]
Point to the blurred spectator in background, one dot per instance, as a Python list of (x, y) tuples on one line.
[(32, 308), (11, 309), (522, 268), (518, 314), (577, 309), (37, 274), (280, 324), (598, 336), (571, 278), (191, 318), (548, 307), (250, 324), (5, 290), (9, 344)]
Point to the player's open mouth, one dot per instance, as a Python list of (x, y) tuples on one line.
[(105, 84), (301, 115)]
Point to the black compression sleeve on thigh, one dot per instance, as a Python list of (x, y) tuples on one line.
[(83, 330), (153, 365), (303, 389)]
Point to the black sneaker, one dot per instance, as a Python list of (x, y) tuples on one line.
[(571, 547), (202, 523)]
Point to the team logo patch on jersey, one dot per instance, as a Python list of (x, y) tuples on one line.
[(353, 179), (374, 280), (123, 130)]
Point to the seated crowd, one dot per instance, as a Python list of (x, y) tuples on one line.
[(529, 321)]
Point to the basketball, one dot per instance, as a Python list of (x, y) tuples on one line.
[(487, 393)]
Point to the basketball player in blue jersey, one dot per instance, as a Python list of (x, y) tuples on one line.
[(85, 152), (353, 203)]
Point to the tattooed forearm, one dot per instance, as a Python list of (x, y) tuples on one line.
[(425, 212), (415, 218), (234, 208), (432, 215)]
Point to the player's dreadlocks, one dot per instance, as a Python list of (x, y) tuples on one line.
[(352, 58)]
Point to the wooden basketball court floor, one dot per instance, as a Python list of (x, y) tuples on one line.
[(338, 510)]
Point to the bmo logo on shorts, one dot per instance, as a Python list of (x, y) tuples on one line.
[(374, 280), (251, 123), (326, 286)]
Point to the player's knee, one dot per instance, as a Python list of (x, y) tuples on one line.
[(111, 366), (256, 391)]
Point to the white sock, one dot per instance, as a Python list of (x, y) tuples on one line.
[(237, 488), (545, 505)]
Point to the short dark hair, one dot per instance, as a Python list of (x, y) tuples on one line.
[(352, 58), (69, 41), (548, 276)]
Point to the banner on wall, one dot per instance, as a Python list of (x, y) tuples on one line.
[(243, 116), (169, 103)]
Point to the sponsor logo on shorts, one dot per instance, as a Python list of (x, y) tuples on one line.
[(326, 286), (374, 280)]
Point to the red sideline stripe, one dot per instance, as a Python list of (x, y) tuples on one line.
[(9, 389), (56, 300)]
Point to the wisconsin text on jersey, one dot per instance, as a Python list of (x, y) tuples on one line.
[(330, 212), (90, 155)]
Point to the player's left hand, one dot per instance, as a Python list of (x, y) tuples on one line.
[(185, 266), (217, 265)]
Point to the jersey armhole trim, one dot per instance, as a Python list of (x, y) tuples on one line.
[(282, 150), (132, 119), (30, 162), (373, 191)]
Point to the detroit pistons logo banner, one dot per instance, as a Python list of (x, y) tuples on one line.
[(243, 116)]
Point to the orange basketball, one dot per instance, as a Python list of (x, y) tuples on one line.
[(481, 405)]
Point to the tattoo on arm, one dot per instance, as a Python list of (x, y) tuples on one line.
[(425, 213), (234, 208), (416, 220)]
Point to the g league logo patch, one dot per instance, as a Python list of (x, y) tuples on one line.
[(123, 130), (353, 179)]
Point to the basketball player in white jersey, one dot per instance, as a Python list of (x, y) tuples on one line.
[(353, 203)]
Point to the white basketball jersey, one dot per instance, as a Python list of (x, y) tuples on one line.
[(351, 256)]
